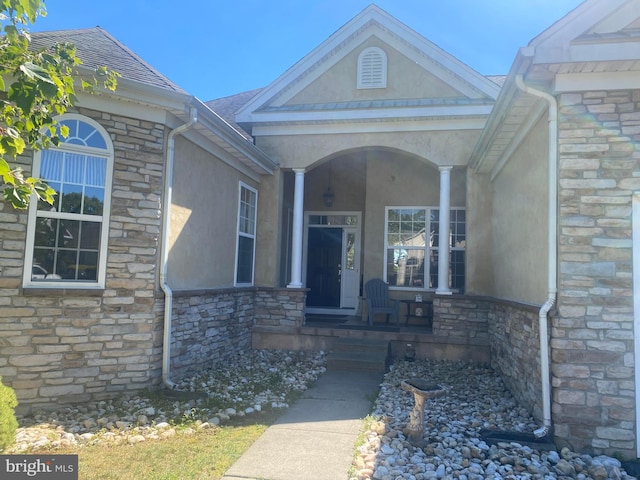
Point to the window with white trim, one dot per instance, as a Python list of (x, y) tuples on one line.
[(372, 68), (67, 241), (412, 241), (246, 243)]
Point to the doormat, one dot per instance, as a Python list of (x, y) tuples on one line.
[(325, 319), (370, 328)]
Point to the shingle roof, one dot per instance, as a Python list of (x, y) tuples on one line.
[(227, 107), (95, 47)]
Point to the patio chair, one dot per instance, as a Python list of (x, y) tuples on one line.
[(378, 301)]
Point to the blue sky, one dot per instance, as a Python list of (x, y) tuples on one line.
[(215, 48)]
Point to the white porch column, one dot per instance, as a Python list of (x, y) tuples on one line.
[(298, 225), (444, 227)]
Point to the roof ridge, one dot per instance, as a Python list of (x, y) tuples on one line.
[(135, 55), (96, 46)]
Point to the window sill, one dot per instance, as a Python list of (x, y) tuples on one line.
[(38, 291)]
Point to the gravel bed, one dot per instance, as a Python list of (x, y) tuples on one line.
[(476, 399), (239, 386)]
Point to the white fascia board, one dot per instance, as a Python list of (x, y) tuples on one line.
[(581, 82), (214, 123), (581, 20), (445, 67), (121, 107), (588, 52), (333, 43), (148, 94), (476, 81), (372, 114), (302, 65), (439, 125)]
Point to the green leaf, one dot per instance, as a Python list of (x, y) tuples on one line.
[(34, 71)]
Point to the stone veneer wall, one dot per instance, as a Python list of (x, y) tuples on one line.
[(592, 338), (62, 346), (210, 325), (461, 316), (515, 352)]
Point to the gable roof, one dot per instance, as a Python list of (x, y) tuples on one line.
[(597, 42), (476, 93), (95, 47)]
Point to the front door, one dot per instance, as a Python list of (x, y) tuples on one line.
[(324, 267), (333, 263)]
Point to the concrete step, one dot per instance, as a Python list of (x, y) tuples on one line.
[(359, 355)]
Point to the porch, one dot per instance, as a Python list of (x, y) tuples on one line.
[(458, 331)]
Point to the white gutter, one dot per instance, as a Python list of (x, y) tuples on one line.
[(166, 217), (552, 246)]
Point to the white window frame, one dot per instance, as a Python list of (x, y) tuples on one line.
[(241, 233), (372, 68), (108, 154), (428, 249)]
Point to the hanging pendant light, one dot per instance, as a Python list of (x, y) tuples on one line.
[(328, 196)]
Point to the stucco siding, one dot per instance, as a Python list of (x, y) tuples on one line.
[(519, 221), (399, 182), (405, 80), (204, 219), (479, 267), (439, 147)]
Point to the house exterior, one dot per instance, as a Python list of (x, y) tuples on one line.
[(213, 227)]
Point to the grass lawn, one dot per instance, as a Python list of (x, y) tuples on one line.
[(205, 454)]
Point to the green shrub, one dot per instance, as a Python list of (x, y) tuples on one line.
[(8, 422)]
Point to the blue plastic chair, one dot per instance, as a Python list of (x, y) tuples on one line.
[(378, 301)]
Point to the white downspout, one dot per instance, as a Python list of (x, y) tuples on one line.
[(166, 217), (553, 254)]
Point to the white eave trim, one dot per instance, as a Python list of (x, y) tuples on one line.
[(137, 93), (581, 82), (467, 80), (588, 53), (432, 125), (371, 114)]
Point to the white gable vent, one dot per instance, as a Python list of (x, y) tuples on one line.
[(372, 68)]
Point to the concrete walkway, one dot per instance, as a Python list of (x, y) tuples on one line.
[(314, 438)]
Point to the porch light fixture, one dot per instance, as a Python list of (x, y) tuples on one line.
[(328, 195)]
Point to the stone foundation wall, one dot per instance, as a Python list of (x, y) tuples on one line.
[(209, 326), (462, 317), (515, 352), (282, 307)]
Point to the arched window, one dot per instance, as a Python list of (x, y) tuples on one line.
[(67, 241), (372, 68)]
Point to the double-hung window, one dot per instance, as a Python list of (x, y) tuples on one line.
[(246, 240), (67, 241), (412, 241)]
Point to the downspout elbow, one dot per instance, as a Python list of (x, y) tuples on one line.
[(164, 284)]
